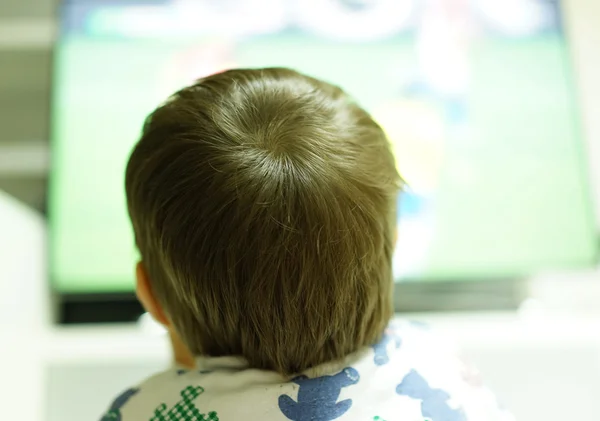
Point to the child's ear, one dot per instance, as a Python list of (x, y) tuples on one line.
[(146, 296)]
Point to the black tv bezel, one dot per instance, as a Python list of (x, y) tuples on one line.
[(409, 297)]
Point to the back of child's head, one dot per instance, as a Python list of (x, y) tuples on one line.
[(263, 206)]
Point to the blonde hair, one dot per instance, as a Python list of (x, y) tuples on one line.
[(263, 205)]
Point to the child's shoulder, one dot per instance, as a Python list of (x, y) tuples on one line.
[(157, 397), (435, 371), (178, 391)]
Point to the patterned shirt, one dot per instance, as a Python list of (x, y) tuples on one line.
[(411, 375)]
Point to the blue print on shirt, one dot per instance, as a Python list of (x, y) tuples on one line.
[(381, 349), (114, 413), (317, 398), (434, 402)]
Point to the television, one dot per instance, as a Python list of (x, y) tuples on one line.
[(477, 97)]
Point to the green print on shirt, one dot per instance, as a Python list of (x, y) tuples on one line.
[(184, 410)]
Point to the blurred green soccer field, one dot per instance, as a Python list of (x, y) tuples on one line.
[(512, 199)]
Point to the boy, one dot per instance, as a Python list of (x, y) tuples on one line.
[(263, 206)]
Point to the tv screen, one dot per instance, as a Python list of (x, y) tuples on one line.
[(476, 96)]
